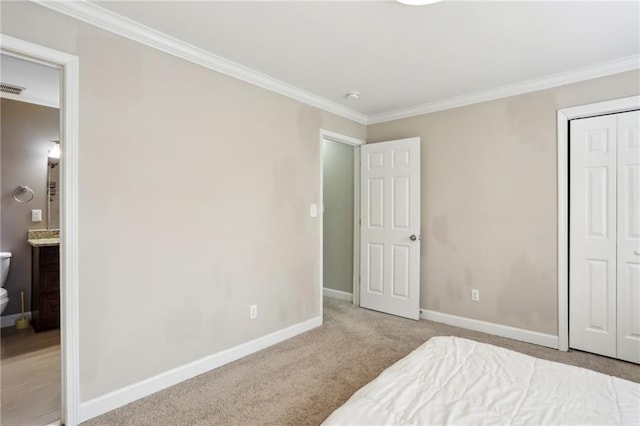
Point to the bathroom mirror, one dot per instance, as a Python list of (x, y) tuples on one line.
[(53, 193)]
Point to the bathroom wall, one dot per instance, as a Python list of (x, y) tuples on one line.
[(193, 204), (337, 188), (26, 134)]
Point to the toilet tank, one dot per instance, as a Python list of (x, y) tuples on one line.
[(5, 261)]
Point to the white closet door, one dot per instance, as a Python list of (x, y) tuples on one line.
[(390, 230), (592, 235), (628, 344)]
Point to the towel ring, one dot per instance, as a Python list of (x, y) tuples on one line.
[(22, 189)]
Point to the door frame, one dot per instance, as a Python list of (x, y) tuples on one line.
[(69, 303), (356, 144), (563, 117)]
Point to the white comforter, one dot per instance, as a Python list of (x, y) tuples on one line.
[(460, 382)]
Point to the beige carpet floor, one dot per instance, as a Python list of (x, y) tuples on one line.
[(302, 380)]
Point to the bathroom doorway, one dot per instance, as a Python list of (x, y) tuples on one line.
[(30, 211), (340, 216), (66, 266)]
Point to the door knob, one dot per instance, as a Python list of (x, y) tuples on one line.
[(636, 252), (414, 237)]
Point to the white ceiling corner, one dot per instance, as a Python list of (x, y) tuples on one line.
[(404, 60)]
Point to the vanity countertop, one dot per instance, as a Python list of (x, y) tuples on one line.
[(43, 237), (44, 242)]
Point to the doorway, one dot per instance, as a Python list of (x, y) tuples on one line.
[(357, 241), (570, 216), (340, 207), (67, 65), (30, 346)]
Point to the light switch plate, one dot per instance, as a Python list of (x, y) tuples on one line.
[(475, 295), (36, 215), (313, 210)]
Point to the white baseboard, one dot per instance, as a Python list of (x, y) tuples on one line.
[(120, 397), (10, 320), (337, 294), (528, 336)]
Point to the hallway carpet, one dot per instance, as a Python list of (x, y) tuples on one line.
[(302, 380)]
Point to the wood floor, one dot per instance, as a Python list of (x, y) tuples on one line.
[(30, 377)]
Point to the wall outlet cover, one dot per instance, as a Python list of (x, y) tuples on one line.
[(36, 215)]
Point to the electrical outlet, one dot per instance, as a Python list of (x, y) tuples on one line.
[(253, 311), (475, 295)]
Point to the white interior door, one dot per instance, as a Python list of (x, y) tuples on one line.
[(390, 227), (628, 343), (604, 241), (592, 235)]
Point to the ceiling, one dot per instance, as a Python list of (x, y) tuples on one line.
[(41, 82), (403, 60), (399, 56)]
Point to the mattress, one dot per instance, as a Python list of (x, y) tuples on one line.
[(455, 381)]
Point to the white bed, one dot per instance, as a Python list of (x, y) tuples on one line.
[(455, 381)]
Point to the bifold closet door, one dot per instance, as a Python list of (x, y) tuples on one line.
[(604, 235), (628, 343), (592, 235)]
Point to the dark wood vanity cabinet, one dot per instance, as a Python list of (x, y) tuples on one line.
[(45, 288)]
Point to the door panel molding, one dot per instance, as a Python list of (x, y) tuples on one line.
[(390, 263), (592, 237), (628, 259)]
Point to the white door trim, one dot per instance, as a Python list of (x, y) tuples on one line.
[(564, 116), (356, 143), (69, 90)]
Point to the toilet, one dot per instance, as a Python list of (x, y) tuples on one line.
[(5, 262)]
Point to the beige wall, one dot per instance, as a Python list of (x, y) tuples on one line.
[(337, 188), (489, 202), (194, 203), (25, 140)]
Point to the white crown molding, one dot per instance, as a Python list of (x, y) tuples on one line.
[(628, 63), (92, 14), (97, 16)]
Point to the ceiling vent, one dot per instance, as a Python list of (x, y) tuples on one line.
[(10, 88)]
